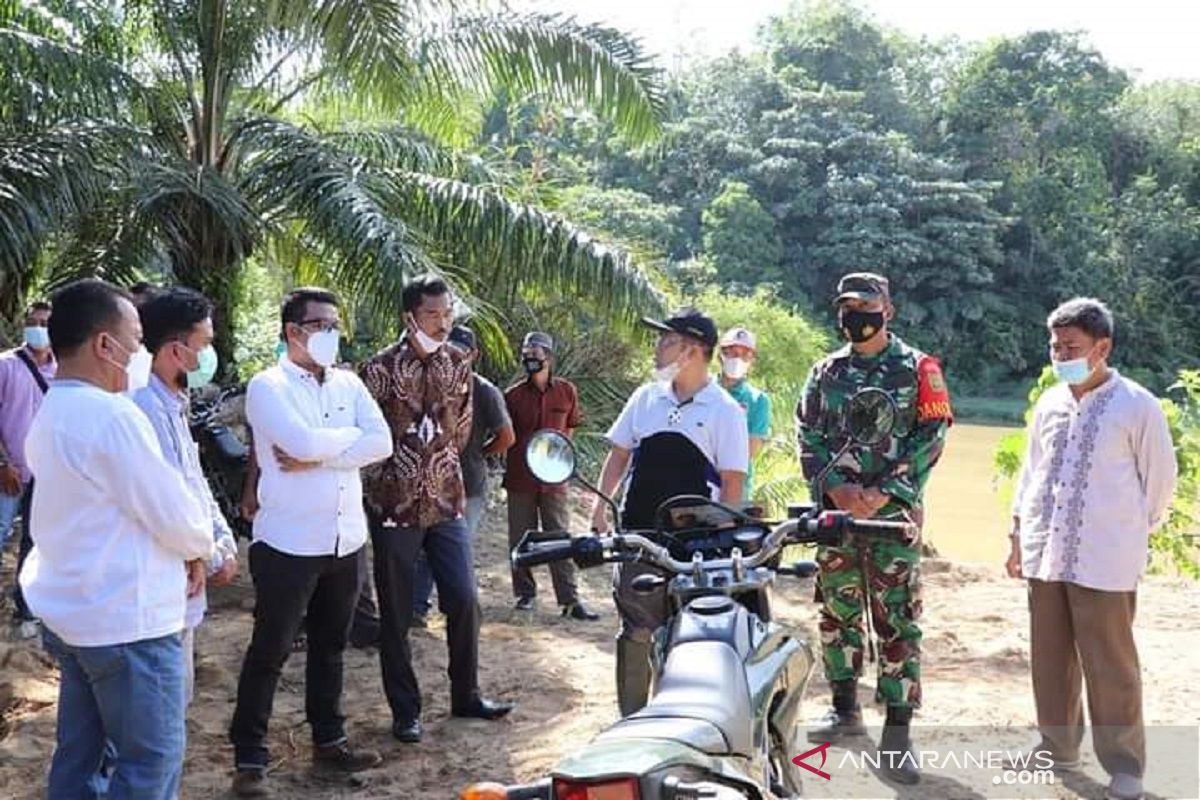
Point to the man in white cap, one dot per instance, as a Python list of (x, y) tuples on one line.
[(738, 351)]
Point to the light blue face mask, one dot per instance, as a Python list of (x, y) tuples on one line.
[(280, 349), (1074, 372), (37, 337)]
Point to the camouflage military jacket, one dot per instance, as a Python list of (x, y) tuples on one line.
[(900, 465)]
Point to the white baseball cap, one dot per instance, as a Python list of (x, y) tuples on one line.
[(739, 336)]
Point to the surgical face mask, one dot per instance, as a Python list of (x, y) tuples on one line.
[(37, 337), (668, 373), (427, 342), (322, 347), (735, 368), (205, 369), (280, 349), (1075, 371), (137, 368)]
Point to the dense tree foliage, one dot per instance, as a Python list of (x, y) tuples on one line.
[(989, 182)]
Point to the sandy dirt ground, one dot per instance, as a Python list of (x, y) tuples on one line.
[(560, 672)]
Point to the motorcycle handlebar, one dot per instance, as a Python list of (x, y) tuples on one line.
[(828, 528), (537, 553), (873, 527)]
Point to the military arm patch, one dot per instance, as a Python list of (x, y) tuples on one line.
[(933, 398)]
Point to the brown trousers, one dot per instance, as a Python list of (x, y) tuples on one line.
[(1076, 635), (551, 514)]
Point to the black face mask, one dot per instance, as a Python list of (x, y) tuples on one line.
[(533, 365), (859, 326)]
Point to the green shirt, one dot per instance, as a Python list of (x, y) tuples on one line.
[(757, 405)]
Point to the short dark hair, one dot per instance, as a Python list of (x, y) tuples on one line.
[(428, 285), (81, 310), (142, 291), (1085, 313), (171, 314), (295, 304), (38, 305)]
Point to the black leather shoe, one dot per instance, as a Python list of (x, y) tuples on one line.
[(343, 758), (251, 783), (524, 604), (485, 709), (408, 732), (579, 611)]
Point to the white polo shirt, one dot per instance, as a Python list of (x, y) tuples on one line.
[(315, 512), (711, 420)]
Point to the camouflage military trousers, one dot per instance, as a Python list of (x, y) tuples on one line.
[(891, 571)]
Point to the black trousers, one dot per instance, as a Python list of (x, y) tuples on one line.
[(21, 611), (287, 588), (447, 550)]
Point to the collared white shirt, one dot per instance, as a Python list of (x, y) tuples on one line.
[(1098, 477), (315, 512), (711, 420), (112, 522), (167, 411)]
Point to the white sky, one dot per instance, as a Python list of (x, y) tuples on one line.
[(1152, 39)]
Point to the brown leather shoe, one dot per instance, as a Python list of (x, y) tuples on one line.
[(342, 758), (251, 783)]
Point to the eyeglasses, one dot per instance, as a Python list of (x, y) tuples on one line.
[(323, 325)]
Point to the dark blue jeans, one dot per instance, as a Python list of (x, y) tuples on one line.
[(447, 548), (130, 695), (424, 580)]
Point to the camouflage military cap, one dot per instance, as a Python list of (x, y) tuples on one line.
[(863, 286)]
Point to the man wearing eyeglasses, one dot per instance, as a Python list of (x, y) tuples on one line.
[(315, 427)]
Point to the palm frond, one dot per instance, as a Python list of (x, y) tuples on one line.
[(551, 56), (493, 241), (49, 178), (291, 175), (112, 243), (200, 217), (42, 80)]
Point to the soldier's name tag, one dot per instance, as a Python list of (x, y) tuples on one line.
[(933, 398)]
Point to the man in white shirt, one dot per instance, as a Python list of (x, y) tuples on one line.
[(178, 332), (1098, 477), (683, 434), (315, 427), (113, 527)]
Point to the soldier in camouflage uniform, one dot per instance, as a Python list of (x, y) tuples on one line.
[(882, 482)]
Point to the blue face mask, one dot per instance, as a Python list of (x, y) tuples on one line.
[(37, 337), (1074, 372)]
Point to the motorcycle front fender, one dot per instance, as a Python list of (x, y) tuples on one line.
[(651, 761)]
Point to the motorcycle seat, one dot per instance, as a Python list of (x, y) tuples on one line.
[(705, 682)]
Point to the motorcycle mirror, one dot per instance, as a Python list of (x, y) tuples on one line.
[(871, 416), (551, 457)]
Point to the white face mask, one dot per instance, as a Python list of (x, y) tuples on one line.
[(137, 370), (427, 342), (735, 368), (322, 347), (668, 373)]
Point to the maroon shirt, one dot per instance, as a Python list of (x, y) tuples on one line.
[(427, 404), (532, 410)]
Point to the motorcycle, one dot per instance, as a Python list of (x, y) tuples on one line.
[(223, 456), (722, 721)]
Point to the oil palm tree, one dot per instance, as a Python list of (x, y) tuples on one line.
[(181, 137)]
